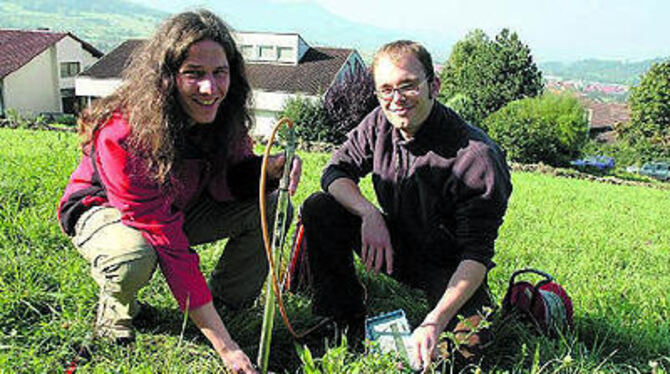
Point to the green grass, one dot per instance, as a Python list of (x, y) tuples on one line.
[(607, 244)]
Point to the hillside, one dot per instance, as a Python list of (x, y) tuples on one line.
[(106, 23), (605, 71), (607, 244), (103, 23)]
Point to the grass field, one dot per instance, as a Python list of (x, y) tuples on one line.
[(608, 245)]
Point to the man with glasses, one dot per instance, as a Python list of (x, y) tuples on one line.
[(442, 187)]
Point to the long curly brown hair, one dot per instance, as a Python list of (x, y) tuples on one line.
[(148, 95)]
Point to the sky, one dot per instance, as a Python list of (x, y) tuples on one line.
[(563, 30)]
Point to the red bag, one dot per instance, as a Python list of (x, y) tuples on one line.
[(298, 278)]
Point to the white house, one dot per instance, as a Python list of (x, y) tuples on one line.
[(37, 70), (279, 66)]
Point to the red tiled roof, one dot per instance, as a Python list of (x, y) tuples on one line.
[(607, 114), (18, 47), (312, 75)]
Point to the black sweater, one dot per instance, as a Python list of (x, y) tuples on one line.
[(445, 190)]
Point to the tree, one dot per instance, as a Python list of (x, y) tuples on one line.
[(308, 116), (547, 128), (487, 74), (649, 126), (348, 101), (343, 107)]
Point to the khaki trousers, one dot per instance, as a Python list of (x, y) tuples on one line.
[(122, 262)]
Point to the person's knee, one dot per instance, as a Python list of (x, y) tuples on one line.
[(244, 295), (314, 207), (126, 274)]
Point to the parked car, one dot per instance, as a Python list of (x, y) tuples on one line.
[(658, 170), (602, 163), (634, 169)]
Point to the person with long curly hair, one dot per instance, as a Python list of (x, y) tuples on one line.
[(167, 164)]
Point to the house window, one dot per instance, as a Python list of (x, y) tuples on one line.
[(266, 52), (69, 101), (285, 53), (69, 69), (247, 51)]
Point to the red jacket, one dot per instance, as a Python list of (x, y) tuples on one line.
[(121, 181)]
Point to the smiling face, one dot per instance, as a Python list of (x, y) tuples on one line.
[(406, 111), (203, 80)]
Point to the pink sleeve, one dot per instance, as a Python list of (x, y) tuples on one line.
[(143, 206)]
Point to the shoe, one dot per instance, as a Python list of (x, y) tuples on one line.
[(146, 316), (119, 331), (118, 335)]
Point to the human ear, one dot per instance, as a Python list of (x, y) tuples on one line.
[(434, 87)]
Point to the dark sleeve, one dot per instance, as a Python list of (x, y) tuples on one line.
[(481, 186), (353, 159), (244, 177)]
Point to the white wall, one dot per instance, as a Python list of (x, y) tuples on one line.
[(267, 106), (257, 39), (87, 86), (264, 122), (34, 87), (70, 50)]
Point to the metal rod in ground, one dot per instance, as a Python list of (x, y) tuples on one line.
[(266, 332), (269, 311), (278, 239)]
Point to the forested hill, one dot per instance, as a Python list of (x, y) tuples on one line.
[(605, 71), (103, 23)]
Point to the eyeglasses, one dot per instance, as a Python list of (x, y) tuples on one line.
[(405, 90)]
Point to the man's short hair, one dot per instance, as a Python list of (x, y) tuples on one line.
[(399, 48)]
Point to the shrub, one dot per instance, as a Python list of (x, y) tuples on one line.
[(348, 101), (309, 117), (66, 119), (461, 104), (549, 128)]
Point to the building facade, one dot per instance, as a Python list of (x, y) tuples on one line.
[(279, 66), (38, 69)]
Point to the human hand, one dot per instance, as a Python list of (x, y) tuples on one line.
[(425, 338), (276, 168), (237, 361), (376, 242)]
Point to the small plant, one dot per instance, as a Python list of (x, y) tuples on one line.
[(452, 343), (338, 359), (67, 119), (309, 117), (14, 119)]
